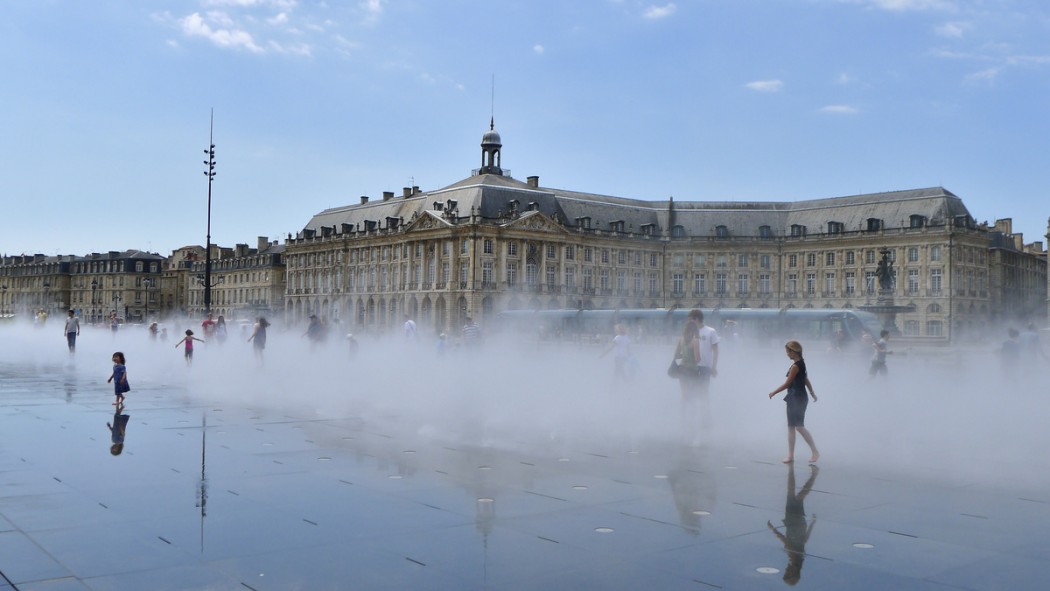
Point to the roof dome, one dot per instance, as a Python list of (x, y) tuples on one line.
[(491, 137)]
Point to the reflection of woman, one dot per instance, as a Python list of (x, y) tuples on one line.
[(796, 530)]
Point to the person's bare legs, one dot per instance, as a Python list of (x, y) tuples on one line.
[(791, 446), (809, 441)]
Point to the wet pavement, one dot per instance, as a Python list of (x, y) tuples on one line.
[(235, 496)]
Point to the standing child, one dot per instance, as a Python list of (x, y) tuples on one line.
[(119, 377), (188, 339), (796, 384)]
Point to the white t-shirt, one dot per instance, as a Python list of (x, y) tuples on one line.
[(72, 324), (708, 339)]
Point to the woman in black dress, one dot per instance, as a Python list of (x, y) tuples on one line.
[(796, 384)]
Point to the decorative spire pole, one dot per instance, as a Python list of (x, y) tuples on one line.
[(210, 173)]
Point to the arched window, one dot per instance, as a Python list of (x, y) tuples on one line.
[(721, 232)]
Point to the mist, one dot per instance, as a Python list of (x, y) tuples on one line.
[(945, 414)]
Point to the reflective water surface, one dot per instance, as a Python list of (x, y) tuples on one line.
[(235, 475)]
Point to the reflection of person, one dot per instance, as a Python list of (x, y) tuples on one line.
[(72, 330), (796, 384), (117, 430), (258, 338), (119, 377), (188, 339), (796, 530)]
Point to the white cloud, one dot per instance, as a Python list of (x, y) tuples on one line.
[(373, 9), (659, 12), (983, 77), (280, 19), (840, 110), (954, 30), (538, 48), (765, 85), (194, 25), (300, 49), (905, 5)]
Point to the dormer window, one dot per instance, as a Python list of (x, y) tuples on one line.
[(616, 226), (765, 232), (917, 221), (678, 232), (836, 227), (798, 230), (874, 224), (648, 229), (721, 232), (584, 222)]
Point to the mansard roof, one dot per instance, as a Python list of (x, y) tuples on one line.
[(493, 198)]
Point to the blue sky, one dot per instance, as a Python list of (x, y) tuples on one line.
[(104, 106)]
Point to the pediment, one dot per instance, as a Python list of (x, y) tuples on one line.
[(535, 221), (427, 220)]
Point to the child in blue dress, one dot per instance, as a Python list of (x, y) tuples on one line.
[(119, 378)]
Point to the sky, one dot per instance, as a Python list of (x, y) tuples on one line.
[(105, 107)]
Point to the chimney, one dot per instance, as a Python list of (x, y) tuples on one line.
[(415, 189), (406, 191), (364, 199), (263, 242), (534, 181), (388, 195)]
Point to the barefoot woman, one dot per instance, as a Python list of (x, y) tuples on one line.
[(796, 384)]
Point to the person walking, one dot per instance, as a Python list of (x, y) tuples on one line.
[(471, 334), (621, 344), (220, 329), (878, 360), (708, 340), (72, 330), (796, 384), (258, 338), (119, 377)]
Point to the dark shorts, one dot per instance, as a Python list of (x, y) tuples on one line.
[(877, 367), (699, 383), (796, 409), (71, 339), (189, 353)]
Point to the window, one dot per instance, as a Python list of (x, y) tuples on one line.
[(917, 221), (678, 232), (677, 260), (721, 261), (851, 283), (588, 255), (570, 277), (512, 249), (721, 232), (552, 251), (570, 252), (464, 246), (911, 328), (743, 281), (138, 266), (913, 254), (935, 253), (763, 284), (621, 281), (531, 272), (603, 279), (829, 284), (851, 258), (678, 283), (811, 259), (621, 257), (552, 276), (721, 287), (699, 260), (829, 259), (765, 261), (605, 256), (913, 281), (699, 283), (588, 278), (741, 261), (934, 328), (793, 260), (792, 283), (464, 272), (487, 246), (811, 283), (869, 257), (653, 260), (653, 284), (836, 227), (638, 258), (869, 282), (765, 232), (512, 274), (798, 230), (637, 282)]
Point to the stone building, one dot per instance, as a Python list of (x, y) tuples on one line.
[(490, 243), (30, 284), (247, 282)]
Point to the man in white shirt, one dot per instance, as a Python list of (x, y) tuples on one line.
[(72, 331), (708, 349)]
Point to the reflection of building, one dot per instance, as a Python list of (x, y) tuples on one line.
[(490, 243), (247, 282)]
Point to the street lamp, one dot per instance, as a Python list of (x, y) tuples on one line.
[(210, 173), (94, 299), (148, 283)]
